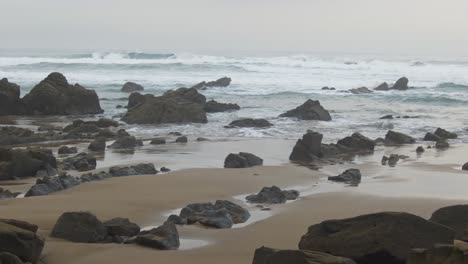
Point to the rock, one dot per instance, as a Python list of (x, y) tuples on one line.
[(214, 107), (80, 227), (420, 149), (130, 87), (122, 133), (164, 169), (444, 134), (22, 163), (67, 150), (88, 177), (98, 145), (21, 224), (158, 141), (140, 169), (440, 254), (199, 139), (22, 243), (55, 96), (442, 145), (10, 135), (465, 166), (176, 220), (106, 123), (207, 214), (387, 117), (266, 255), (174, 133), (358, 142), (38, 190), (8, 258), (310, 110), (121, 227), (326, 88), (360, 90), (382, 87), (350, 176), (272, 195), (164, 237), (401, 84), (9, 97), (393, 160), (7, 120), (126, 142), (384, 237), (238, 213), (49, 128), (180, 106), (222, 82), (48, 185), (308, 148), (6, 194), (242, 160), (250, 122), (182, 139), (397, 138), (432, 137), (80, 162), (455, 217)]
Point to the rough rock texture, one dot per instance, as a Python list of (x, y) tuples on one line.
[(17, 163), (222, 214), (350, 176), (242, 160), (273, 195), (397, 138), (308, 148), (9, 97), (222, 82), (358, 142), (55, 96), (310, 110), (455, 217), (440, 254), (6, 194), (444, 134), (165, 237), (375, 238), (48, 185), (82, 227), (140, 169), (237, 212), (99, 144), (250, 122), (266, 255), (23, 243), (130, 87), (401, 84), (214, 107), (121, 227), (432, 137), (67, 150), (89, 177), (80, 162)]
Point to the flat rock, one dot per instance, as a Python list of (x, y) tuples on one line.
[(250, 122), (215, 107), (242, 160), (397, 138)]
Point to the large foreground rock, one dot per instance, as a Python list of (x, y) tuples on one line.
[(375, 238), (82, 227), (9, 97), (165, 237), (55, 96), (455, 217), (242, 160), (266, 255), (23, 243), (310, 110), (273, 195)]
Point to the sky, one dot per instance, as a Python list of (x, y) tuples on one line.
[(380, 26)]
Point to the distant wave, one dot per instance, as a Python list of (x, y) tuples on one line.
[(452, 85)]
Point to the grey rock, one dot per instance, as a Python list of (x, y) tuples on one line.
[(81, 227), (310, 110), (130, 87), (350, 176), (242, 160)]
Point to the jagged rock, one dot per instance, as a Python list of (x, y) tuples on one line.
[(238, 213), (140, 169), (158, 141), (214, 107), (420, 149), (350, 176), (22, 243), (99, 144), (442, 145), (358, 142), (9, 97), (188, 94), (310, 110), (182, 139), (272, 195), (444, 134), (360, 90), (18, 163), (121, 227), (130, 87), (242, 160), (308, 148), (126, 142), (440, 254), (397, 138), (382, 87), (81, 227), (266, 255), (401, 84), (384, 237), (137, 99), (222, 82), (165, 237), (38, 190), (250, 122), (67, 150), (222, 214), (48, 185), (455, 217), (80, 162), (55, 96)]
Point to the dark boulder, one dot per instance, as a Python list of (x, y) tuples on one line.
[(176, 220), (130, 87), (206, 214), (420, 149), (308, 148), (326, 88), (48, 185), (165, 237), (98, 145), (21, 224), (310, 110), (121, 227), (237, 212), (387, 117), (397, 138), (250, 122), (81, 227), (80, 162), (432, 137), (382, 87), (181, 139), (350, 176), (67, 150), (11, 135), (106, 123), (9, 98), (455, 217), (22, 243), (401, 84), (384, 237), (444, 134), (126, 142), (137, 99), (38, 190), (242, 160), (266, 255), (465, 166), (357, 142), (158, 141), (140, 169), (221, 82), (272, 195), (165, 169), (188, 94), (214, 107), (55, 96), (21, 163), (89, 177)]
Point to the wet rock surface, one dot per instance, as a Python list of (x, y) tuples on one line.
[(242, 160), (310, 110)]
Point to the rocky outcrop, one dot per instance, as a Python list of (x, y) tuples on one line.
[(140, 169), (81, 227), (18, 163), (401, 84), (98, 145), (440, 254), (360, 90), (397, 138), (67, 150), (55, 96), (375, 238), (432, 137), (9, 97), (266, 255), (222, 214), (80, 162), (222, 82), (121, 227), (242, 160), (250, 122), (165, 237), (350, 176), (47, 185), (272, 195), (455, 217), (382, 87), (130, 87), (20, 241), (214, 107), (310, 110)]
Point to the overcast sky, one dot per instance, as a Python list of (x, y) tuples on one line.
[(389, 26)]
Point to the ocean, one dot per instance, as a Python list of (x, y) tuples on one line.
[(266, 86)]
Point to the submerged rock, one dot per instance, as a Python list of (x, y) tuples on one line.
[(242, 160), (401, 84), (442, 145), (266, 255), (350, 176), (310, 110), (126, 142), (272, 195), (382, 87), (222, 82), (250, 122), (158, 141), (361, 90), (182, 139), (130, 87), (81, 227), (420, 149)]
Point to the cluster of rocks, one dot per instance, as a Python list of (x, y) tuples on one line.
[(272, 195), (242, 160), (349, 176), (440, 136), (400, 85), (47, 185), (10, 136), (221, 214), (81, 162)]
